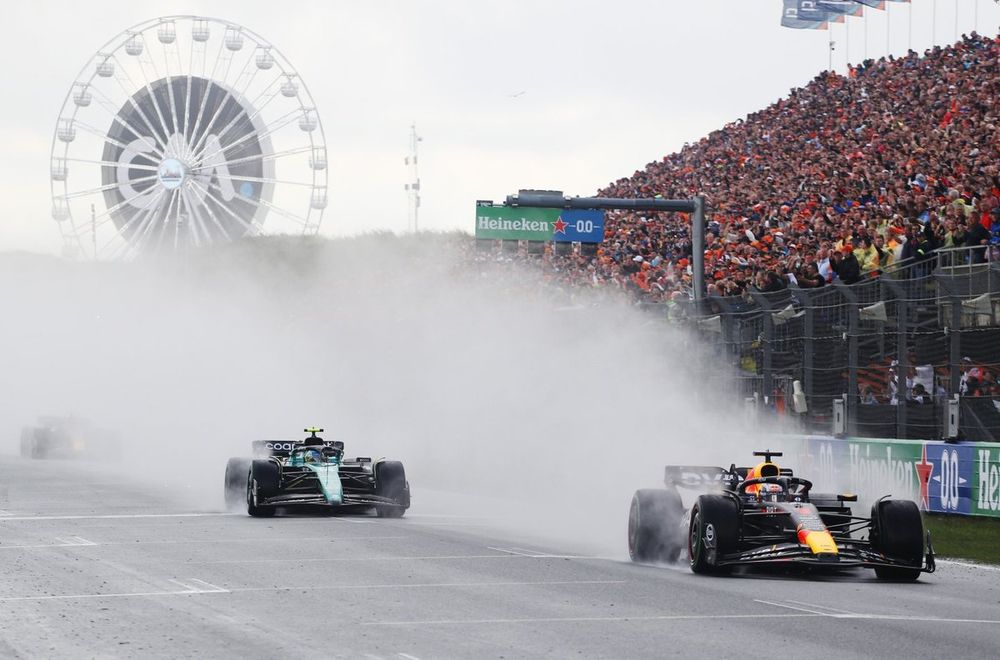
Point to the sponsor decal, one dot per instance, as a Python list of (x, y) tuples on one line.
[(988, 480), (209, 151), (881, 468), (924, 472)]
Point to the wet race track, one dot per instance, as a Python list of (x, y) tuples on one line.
[(96, 567)]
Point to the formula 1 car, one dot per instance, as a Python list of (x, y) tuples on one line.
[(68, 437), (764, 515), (313, 473)]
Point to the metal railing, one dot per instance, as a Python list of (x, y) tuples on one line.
[(894, 348)]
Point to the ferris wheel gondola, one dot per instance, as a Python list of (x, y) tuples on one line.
[(186, 131)]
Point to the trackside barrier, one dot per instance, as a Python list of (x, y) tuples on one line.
[(961, 478)]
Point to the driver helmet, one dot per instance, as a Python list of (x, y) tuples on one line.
[(312, 456), (769, 492)]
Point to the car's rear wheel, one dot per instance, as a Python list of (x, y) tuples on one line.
[(235, 483), (897, 531), (390, 482), (654, 525), (714, 531), (262, 483)]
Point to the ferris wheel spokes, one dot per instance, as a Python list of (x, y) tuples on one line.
[(105, 103), (199, 144), (251, 227), (267, 131)]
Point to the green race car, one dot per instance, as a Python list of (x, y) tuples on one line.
[(313, 474)]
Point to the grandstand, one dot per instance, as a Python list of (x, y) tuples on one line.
[(853, 238)]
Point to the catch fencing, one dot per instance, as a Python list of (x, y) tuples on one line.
[(911, 353)]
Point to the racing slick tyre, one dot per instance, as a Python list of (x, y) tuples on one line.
[(27, 443), (262, 482), (235, 486), (32, 446), (897, 531), (714, 531), (654, 525), (390, 482)]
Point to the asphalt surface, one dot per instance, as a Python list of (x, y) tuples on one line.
[(96, 567)]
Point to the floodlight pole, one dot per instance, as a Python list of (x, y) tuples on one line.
[(695, 207)]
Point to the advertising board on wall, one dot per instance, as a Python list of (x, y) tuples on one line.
[(526, 223), (959, 478)]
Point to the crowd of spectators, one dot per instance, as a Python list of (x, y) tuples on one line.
[(840, 180)]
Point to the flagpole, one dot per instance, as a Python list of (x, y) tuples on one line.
[(956, 22), (934, 24), (847, 43), (829, 31), (909, 29), (864, 17), (888, 22)]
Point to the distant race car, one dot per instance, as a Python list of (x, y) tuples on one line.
[(68, 437), (314, 473), (764, 515)]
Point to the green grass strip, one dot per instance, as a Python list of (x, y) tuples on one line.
[(965, 537)]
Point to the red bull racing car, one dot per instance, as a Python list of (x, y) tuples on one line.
[(765, 515)]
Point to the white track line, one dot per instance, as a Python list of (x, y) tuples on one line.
[(186, 590), (285, 560), (119, 515), (522, 552), (874, 617), (671, 617), (794, 607), (71, 542), (952, 562), (428, 585), (821, 607), (589, 619), (282, 539)]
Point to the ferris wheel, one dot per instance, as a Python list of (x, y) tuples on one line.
[(185, 131)]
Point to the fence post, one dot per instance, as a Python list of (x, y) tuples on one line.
[(808, 330), (902, 352), (767, 369), (851, 405)]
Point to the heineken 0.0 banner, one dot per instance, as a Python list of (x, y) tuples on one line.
[(961, 478), (526, 223)]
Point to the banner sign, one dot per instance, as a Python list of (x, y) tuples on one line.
[(940, 477), (527, 223)]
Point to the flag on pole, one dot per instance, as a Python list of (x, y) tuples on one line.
[(846, 7), (793, 16)]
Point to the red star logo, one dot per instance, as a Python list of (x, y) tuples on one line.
[(560, 226), (924, 470)]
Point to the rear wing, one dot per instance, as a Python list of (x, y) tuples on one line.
[(695, 476), (708, 476), (264, 448)]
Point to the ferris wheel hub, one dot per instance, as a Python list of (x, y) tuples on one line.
[(172, 173)]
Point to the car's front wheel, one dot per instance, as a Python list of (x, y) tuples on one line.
[(713, 532), (262, 482), (897, 531), (390, 482)]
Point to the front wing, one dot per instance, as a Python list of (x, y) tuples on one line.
[(850, 554), (349, 500)]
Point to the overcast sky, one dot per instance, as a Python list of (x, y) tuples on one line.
[(507, 94)]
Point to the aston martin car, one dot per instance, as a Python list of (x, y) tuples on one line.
[(312, 474)]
